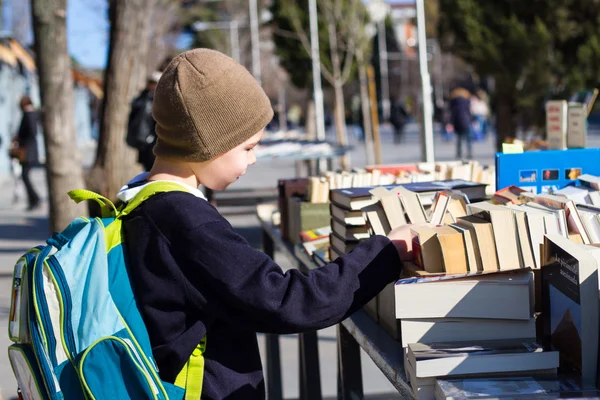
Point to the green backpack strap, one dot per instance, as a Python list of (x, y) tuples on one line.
[(106, 206), (191, 376), (150, 190)]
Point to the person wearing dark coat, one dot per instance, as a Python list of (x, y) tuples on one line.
[(460, 118), (398, 118), (27, 139)]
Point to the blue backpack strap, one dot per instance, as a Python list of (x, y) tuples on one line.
[(191, 376)]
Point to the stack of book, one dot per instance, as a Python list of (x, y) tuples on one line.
[(469, 324), (569, 297)]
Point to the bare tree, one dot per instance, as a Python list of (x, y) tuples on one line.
[(130, 35), (345, 32), (63, 164)]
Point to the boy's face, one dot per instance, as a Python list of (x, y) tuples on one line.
[(222, 171)]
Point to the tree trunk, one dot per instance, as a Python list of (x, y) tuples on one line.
[(365, 108), (126, 73), (63, 162), (311, 121), (505, 122)]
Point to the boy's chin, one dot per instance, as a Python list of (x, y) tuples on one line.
[(219, 187)]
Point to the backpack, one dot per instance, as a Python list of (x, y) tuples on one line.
[(73, 317), (140, 126)]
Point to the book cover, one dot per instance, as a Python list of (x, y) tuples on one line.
[(509, 387), (423, 351), (570, 306)]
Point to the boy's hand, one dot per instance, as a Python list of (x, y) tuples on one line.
[(402, 239)]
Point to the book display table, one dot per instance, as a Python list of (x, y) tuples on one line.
[(356, 332)]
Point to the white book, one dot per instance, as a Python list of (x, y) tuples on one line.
[(461, 358), (508, 388), (434, 330), (578, 194), (496, 295), (505, 232)]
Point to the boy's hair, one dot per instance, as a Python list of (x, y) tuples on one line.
[(206, 104)]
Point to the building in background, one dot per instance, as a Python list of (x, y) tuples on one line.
[(18, 77)]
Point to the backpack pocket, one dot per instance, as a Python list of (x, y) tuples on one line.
[(25, 367), (111, 368), (18, 325)]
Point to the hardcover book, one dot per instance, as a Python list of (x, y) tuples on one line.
[(570, 306)]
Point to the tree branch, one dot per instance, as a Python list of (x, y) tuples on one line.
[(304, 39)]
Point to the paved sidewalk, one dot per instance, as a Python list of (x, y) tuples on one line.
[(19, 231)]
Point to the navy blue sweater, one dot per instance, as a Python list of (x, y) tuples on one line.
[(194, 275)]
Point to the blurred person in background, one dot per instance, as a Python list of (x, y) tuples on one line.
[(24, 148), (460, 118), (141, 127), (398, 119), (480, 112)]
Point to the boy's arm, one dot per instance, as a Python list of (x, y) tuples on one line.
[(232, 281)]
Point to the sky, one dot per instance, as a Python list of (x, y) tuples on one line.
[(88, 30)]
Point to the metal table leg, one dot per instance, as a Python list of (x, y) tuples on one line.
[(310, 375), (350, 385), (273, 370)]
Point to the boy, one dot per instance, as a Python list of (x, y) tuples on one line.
[(193, 275)]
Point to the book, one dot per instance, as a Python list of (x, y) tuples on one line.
[(454, 255), (510, 388), (342, 246), (435, 330), (412, 205), (334, 253), (349, 217), (315, 234), (304, 216), (376, 218), (590, 181), (570, 305), (314, 245), (510, 194), (349, 232), (505, 232), (448, 205), (485, 356), (484, 244), (554, 218), (286, 189), (353, 198), (471, 248), (391, 205), (579, 195), (574, 222), (535, 223), (493, 295), (525, 244), (473, 190), (426, 248)]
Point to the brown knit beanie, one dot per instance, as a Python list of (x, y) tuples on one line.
[(206, 104)]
